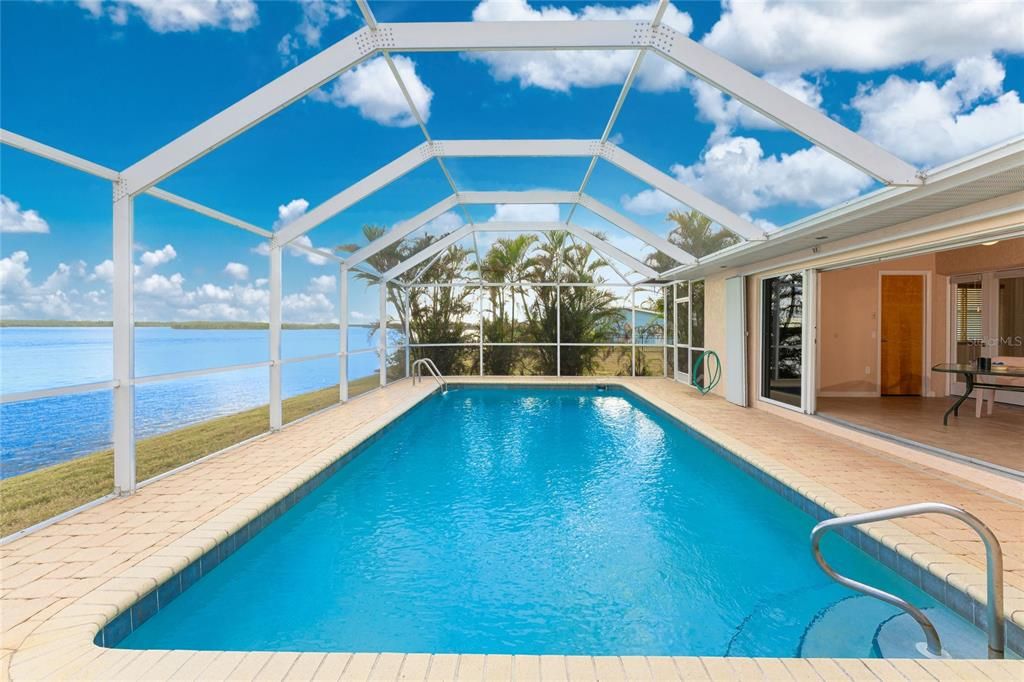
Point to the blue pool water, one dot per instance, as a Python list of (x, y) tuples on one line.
[(572, 521)]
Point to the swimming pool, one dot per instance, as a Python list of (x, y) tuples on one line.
[(541, 521)]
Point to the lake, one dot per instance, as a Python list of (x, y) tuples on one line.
[(46, 431)]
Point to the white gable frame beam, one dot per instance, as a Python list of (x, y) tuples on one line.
[(530, 196), (45, 151), (599, 245), (520, 148), (611, 251), (371, 21), (436, 247), (250, 110), (635, 229), (518, 35), (401, 231), (657, 179), (542, 196), (783, 108), (380, 178), (728, 77), (617, 108)]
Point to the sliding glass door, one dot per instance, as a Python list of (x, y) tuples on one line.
[(782, 339)]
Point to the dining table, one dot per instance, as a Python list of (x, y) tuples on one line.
[(971, 372)]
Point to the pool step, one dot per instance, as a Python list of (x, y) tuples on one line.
[(846, 629), (897, 637)]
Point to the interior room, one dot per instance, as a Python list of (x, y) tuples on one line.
[(883, 328)]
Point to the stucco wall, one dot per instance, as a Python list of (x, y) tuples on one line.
[(1007, 254), (714, 324)]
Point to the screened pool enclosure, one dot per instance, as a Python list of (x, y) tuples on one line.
[(487, 298)]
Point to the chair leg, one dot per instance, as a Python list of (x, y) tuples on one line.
[(979, 399), (991, 400)]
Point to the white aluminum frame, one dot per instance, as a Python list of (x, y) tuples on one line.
[(439, 149), (383, 39), (519, 35)]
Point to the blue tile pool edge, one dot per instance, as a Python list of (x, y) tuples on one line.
[(124, 623)]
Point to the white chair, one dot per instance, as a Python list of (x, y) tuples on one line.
[(990, 393)]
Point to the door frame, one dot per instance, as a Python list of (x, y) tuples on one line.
[(926, 331), (990, 323), (808, 341)]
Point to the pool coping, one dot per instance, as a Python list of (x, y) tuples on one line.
[(136, 593)]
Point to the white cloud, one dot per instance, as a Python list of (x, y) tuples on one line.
[(865, 35), (170, 16), (324, 284), (13, 219), (727, 113), (562, 70), (445, 223), (239, 271), (736, 172), (928, 123), (650, 202), (538, 213), (104, 271), (154, 259), (372, 90), (20, 298), (71, 292), (287, 213), (316, 15)]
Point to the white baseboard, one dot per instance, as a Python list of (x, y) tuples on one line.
[(848, 394)]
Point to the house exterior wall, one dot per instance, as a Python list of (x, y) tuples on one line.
[(913, 235)]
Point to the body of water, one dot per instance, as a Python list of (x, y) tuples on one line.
[(46, 431)]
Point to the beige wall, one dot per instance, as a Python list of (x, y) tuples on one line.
[(714, 325), (1007, 254), (848, 344), (934, 231)]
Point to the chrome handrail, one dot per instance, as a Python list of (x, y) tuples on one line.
[(417, 372), (993, 560)]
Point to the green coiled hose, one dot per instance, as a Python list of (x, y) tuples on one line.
[(716, 375)]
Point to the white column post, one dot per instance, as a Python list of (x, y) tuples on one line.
[(558, 330), (382, 342), (480, 321), (632, 307), (343, 334), (408, 341), (124, 345), (664, 329), (276, 419)]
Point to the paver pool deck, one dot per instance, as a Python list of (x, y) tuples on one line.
[(61, 584)]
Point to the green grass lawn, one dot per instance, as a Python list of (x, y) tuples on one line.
[(33, 497)]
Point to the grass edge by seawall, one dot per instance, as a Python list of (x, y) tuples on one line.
[(38, 495)]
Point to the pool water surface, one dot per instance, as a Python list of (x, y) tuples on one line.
[(565, 520)]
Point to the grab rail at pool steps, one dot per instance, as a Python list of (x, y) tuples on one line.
[(417, 372), (994, 564)]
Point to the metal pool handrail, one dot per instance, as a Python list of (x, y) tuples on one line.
[(417, 372), (994, 564)]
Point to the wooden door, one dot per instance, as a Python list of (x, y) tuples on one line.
[(902, 334)]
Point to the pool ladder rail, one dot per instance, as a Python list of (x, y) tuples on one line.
[(994, 562), (417, 373)]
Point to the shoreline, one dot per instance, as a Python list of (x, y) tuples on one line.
[(27, 499)]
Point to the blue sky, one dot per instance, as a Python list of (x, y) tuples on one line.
[(112, 81)]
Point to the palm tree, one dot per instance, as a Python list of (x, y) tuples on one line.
[(693, 234)]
